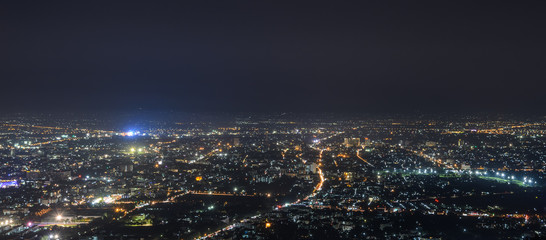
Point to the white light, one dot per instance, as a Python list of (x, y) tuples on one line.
[(59, 217)]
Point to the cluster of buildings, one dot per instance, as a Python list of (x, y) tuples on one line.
[(270, 175)]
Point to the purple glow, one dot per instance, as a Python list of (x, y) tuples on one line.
[(7, 184)]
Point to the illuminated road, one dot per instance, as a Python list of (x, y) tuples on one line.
[(168, 200), (321, 176), (433, 160), (219, 194), (56, 141), (364, 160), (458, 196), (317, 189), (319, 185), (62, 224)]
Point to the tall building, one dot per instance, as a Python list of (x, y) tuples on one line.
[(367, 142), (236, 142), (431, 143), (351, 142), (127, 168)]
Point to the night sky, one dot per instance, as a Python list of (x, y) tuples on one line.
[(384, 56)]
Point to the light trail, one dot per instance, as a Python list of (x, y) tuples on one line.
[(317, 189), (319, 185), (55, 141), (433, 160), (219, 194), (364, 160)]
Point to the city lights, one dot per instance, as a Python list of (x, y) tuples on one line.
[(198, 175), (270, 120)]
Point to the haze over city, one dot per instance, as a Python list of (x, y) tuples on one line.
[(369, 56)]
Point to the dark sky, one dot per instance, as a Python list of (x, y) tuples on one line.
[(365, 56)]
